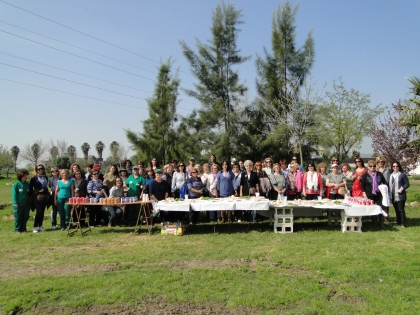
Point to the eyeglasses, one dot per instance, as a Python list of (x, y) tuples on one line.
[(372, 166), (334, 160), (358, 161), (268, 161), (54, 171), (119, 180), (394, 166), (40, 169)]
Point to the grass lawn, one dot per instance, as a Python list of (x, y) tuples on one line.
[(245, 269)]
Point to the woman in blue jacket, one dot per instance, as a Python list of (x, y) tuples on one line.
[(398, 184), (224, 180)]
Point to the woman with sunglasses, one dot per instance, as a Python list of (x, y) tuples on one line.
[(358, 172), (52, 183), (268, 165), (95, 190), (312, 183), (398, 184), (38, 190), (370, 184), (63, 191), (115, 212)]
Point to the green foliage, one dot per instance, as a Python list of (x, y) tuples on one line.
[(159, 137), (346, 118), (6, 160), (85, 149), (63, 162), (218, 89), (286, 68), (99, 147)]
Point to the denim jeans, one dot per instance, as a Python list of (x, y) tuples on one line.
[(115, 214), (399, 207)]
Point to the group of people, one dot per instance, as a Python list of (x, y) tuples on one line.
[(212, 179)]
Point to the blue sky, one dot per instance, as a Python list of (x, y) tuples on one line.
[(373, 45)]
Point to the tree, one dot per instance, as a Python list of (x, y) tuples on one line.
[(54, 152), (71, 153), (15, 154), (63, 162), (34, 153), (346, 118), (392, 140), (114, 147), (218, 90), (99, 146), (159, 137), (411, 108), (61, 146), (85, 149), (6, 159), (294, 117), (285, 70)]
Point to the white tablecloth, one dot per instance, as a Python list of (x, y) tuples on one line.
[(212, 205)]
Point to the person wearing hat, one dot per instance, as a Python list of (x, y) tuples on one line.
[(96, 167), (191, 166), (334, 181), (135, 183), (159, 190)]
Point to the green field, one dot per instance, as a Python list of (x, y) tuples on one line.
[(243, 269)]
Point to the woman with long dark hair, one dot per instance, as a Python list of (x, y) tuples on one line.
[(20, 197), (38, 190), (398, 184)]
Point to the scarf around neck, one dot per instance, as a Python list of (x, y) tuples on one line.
[(374, 182)]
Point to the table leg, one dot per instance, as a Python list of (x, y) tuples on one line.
[(142, 210)]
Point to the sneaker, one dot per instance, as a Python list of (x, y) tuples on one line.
[(53, 227), (239, 220), (35, 230), (41, 229)]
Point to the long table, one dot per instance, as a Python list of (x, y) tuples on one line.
[(213, 205), (267, 208), (76, 209)]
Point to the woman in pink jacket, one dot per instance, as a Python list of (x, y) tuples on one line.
[(312, 183), (295, 182)]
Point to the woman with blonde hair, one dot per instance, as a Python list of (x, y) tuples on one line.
[(63, 191), (345, 170)]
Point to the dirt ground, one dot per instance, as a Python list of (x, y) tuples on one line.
[(149, 306)]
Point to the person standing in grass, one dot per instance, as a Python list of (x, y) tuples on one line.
[(135, 184), (20, 198), (38, 190), (398, 184), (52, 183), (63, 191)]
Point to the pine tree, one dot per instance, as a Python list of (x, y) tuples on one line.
[(219, 90), (159, 138)]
